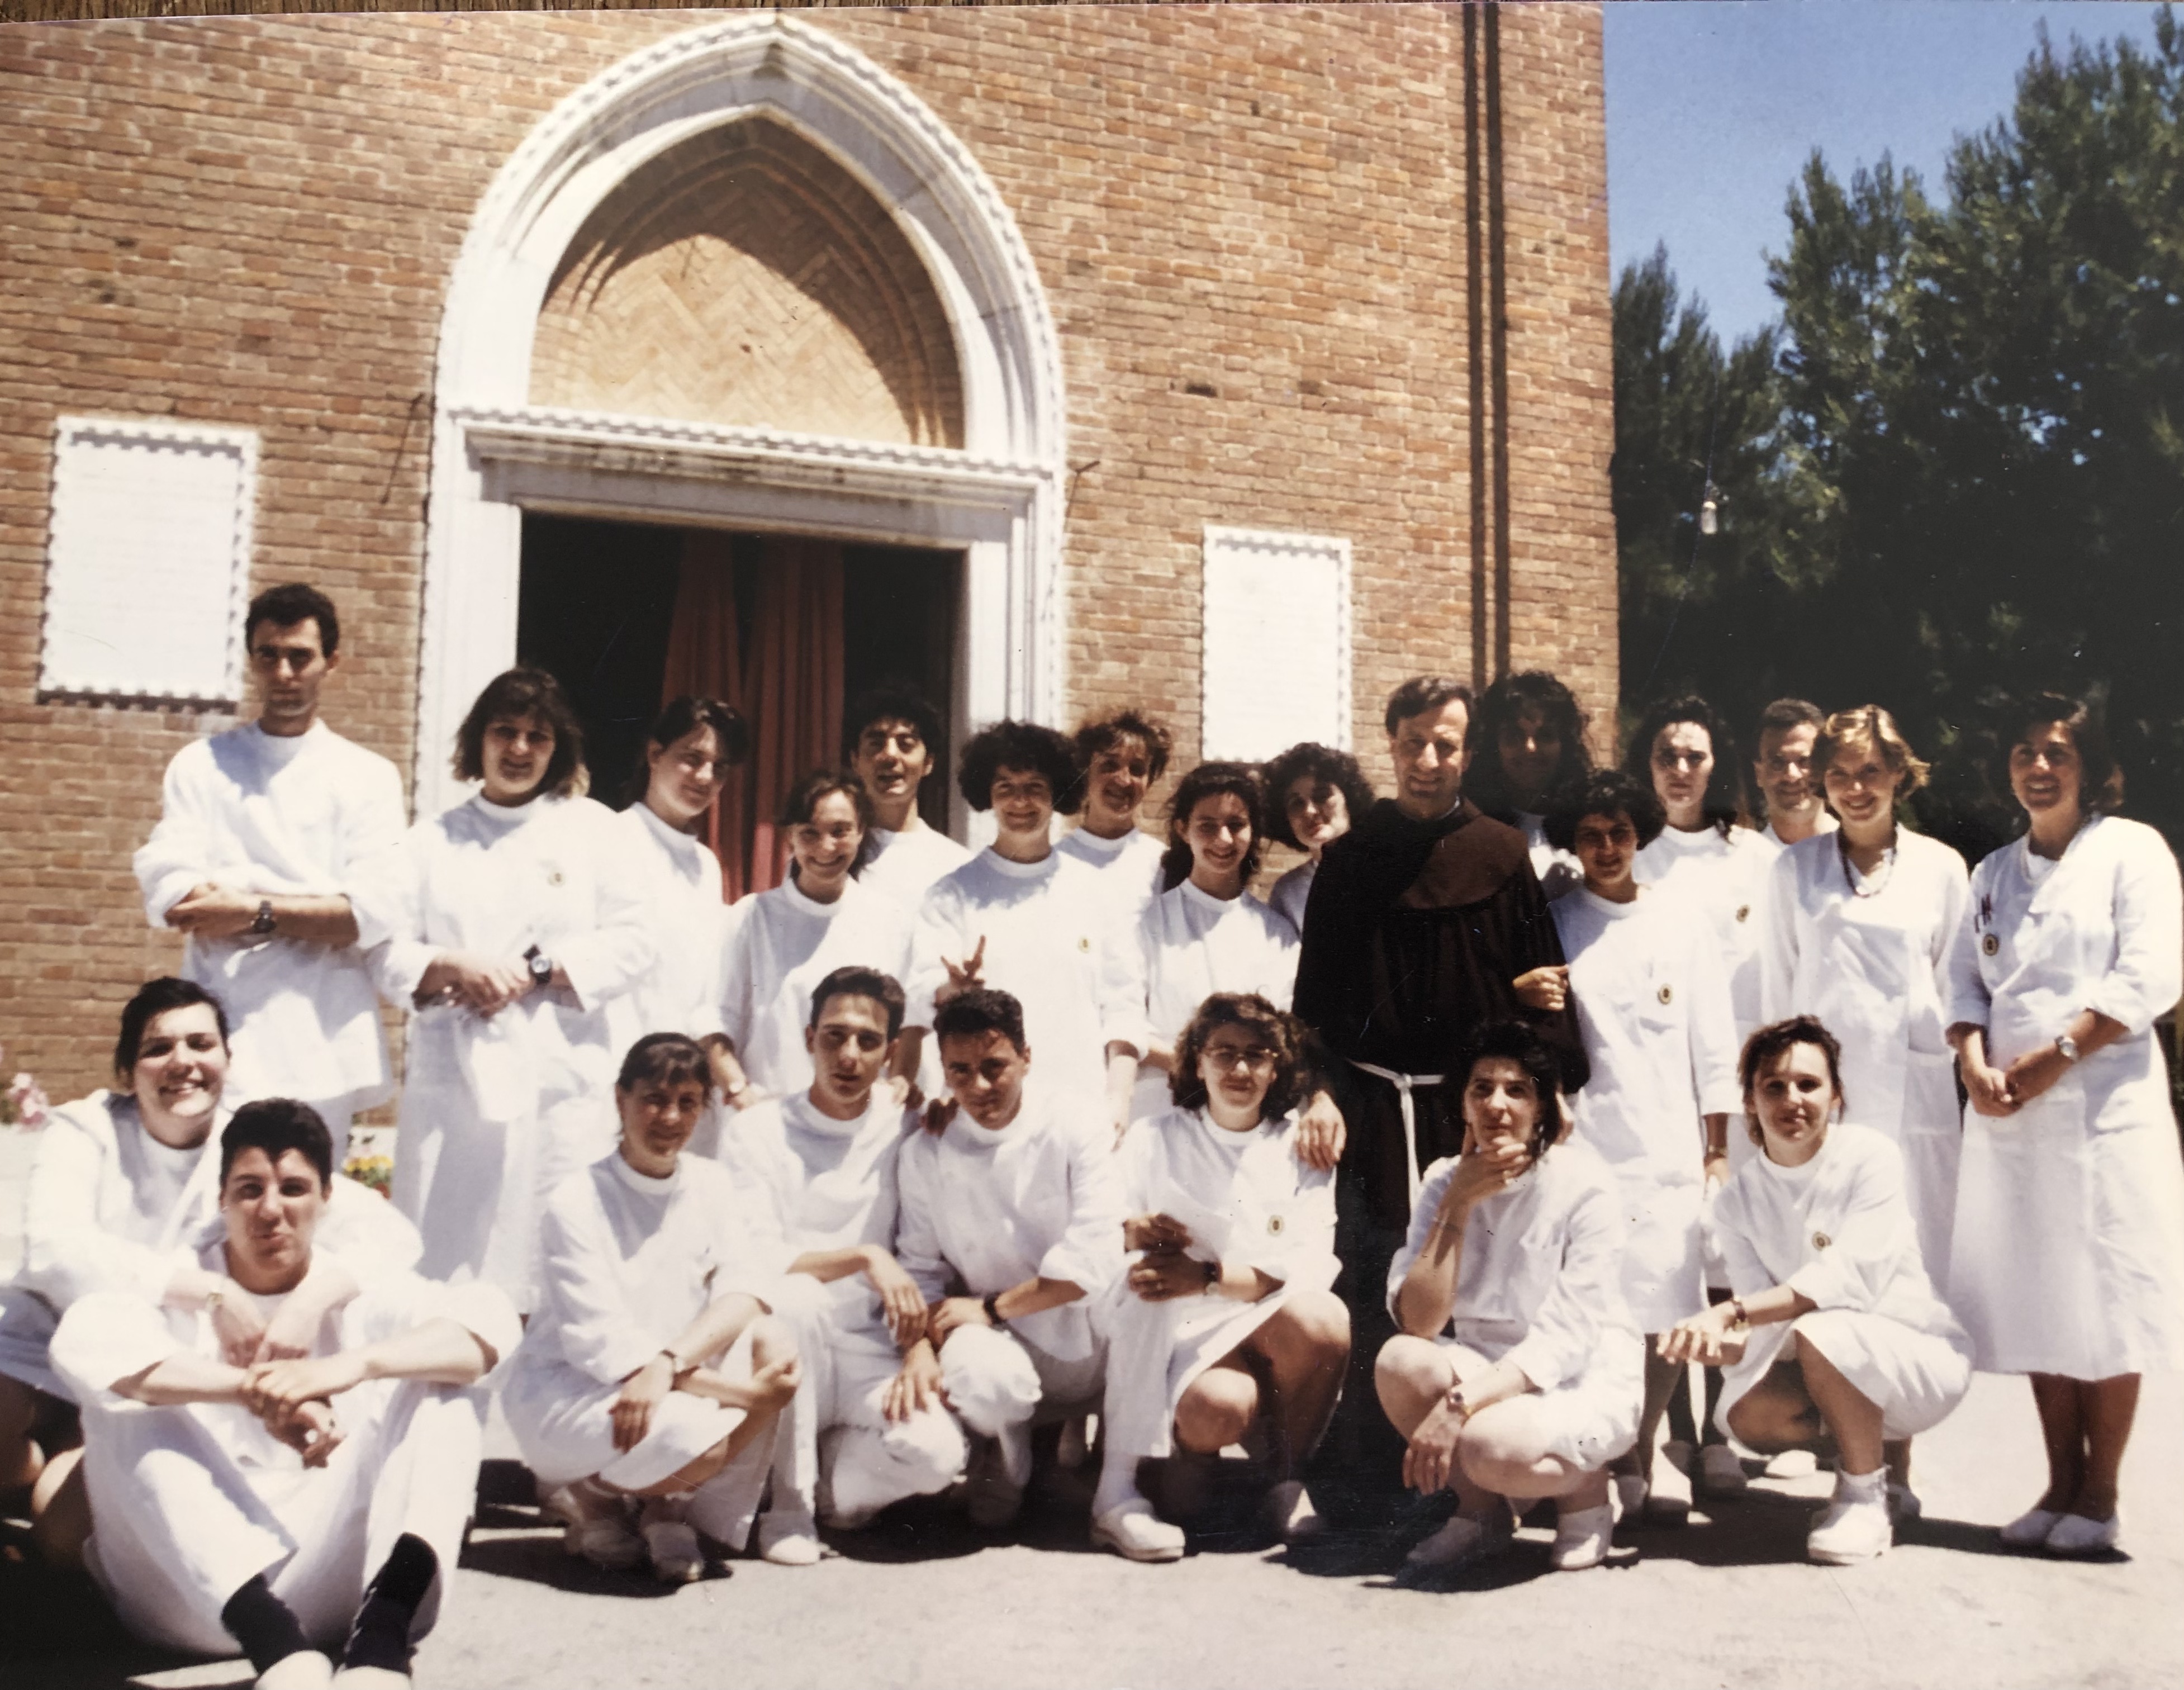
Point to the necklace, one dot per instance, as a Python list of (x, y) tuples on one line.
[(1877, 882)]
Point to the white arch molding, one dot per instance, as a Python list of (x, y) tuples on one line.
[(999, 497)]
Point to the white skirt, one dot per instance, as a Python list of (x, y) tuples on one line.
[(1663, 1266), (563, 1420), (1155, 1350), (1590, 1419), (2067, 1256), (1915, 1379)]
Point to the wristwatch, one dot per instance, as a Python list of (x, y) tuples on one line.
[(1212, 1276), (261, 925), (541, 967), (991, 1303), (2067, 1046)]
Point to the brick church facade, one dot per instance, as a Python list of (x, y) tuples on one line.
[(1229, 361)]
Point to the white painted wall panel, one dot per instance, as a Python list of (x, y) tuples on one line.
[(1277, 642)]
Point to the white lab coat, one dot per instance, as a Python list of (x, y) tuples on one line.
[(273, 816), (1559, 871), (1292, 892), (109, 1208), (902, 867), (1826, 824), (1873, 969), (1653, 1008), (190, 1502), (1057, 939), (1129, 866), (1247, 1199), (1539, 1283), (830, 1184), (496, 1110), (785, 946), (629, 1261), (1838, 1230), (2069, 1251), (679, 879), (1726, 878), (1190, 946)]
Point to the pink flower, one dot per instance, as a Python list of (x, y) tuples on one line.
[(28, 1100)]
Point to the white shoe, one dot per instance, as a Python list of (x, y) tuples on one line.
[(1581, 1539), (1853, 1529), (789, 1540), (1790, 1464), (1290, 1514), (305, 1670), (673, 1547), (1669, 1497), (1461, 1540), (1721, 1474), (1132, 1530), (2029, 1529), (2075, 1535)]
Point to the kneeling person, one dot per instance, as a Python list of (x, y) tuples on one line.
[(1518, 1371), (1227, 1310), (645, 1397), (1011, 1226), (824, 1160), (288, 1503)]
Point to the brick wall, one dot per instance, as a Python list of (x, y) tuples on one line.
[(1251, 223)]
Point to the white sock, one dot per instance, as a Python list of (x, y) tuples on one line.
[(1862, 1487)]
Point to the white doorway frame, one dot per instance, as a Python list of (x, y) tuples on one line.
[(998, 498)]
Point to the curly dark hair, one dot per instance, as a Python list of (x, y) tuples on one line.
[(519, 694), (2100, 782), (1209, 780), (1724, 805), (890, 701), (1484, 782), (1610, 792), (1109, 731), (1518, 1042), (1324, 765), (1767, 1046), (1012, 745), (1284, 1033)]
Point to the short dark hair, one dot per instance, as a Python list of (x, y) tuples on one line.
[(665, 1059), (1783, 714), (290, 603), (518, 694), (687, 715), (1423, 693), (277, 1125), (154, 998), (1323, 765), (2100, 782), (1767, 1046), (801, 801), (1610, 792), (890, 701), (1283, 1032), (1724, 803), (1109, 731), (982, 1009), (1484, 782), (1012, 745), (1209, 780), (858, 981), (1516, 1041)]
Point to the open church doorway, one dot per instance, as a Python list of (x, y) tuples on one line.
[(787, 628)]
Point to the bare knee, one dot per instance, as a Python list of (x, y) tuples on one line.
[(1765, 1425), (60, 1510), (1217, 1411), (1316, 1323), (1409, 1370), (772, 1340)]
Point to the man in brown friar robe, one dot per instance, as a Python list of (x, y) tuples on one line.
[(1422, 921)]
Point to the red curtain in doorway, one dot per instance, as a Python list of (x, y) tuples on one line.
[(783, 672)]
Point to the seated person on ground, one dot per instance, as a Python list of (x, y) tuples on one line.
[(824, 1161), (288, 1504), (1012, 1225), (124, 1193), (1518, 1372), (1227, 1312), (1835, 1341), (645, 1397)]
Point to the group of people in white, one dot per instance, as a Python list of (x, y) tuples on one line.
[(1528, 1088)]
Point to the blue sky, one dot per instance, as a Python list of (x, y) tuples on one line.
[(1715, 105)]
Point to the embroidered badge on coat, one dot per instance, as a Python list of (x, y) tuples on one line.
[(1991, 945), (1821, 1240), (1743, 911), (553, 877), (1084, 943), (1665, 995), (1275, 1224)]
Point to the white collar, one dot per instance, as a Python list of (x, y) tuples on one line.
[(801, 901), (1023, 871), (643, 1184)]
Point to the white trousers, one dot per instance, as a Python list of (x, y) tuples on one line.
[(997, 1382), (835, 1432), (179, 1525)]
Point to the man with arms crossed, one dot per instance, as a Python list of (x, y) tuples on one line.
[(263, 833)]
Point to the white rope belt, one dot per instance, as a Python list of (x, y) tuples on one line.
[(1404, 1083)]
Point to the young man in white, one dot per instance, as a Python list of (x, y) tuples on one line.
[(1782, 769), (1011, 1227), (825, 1160), (888, 739), (287, 1504), (263, 832), (1121, 755)]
